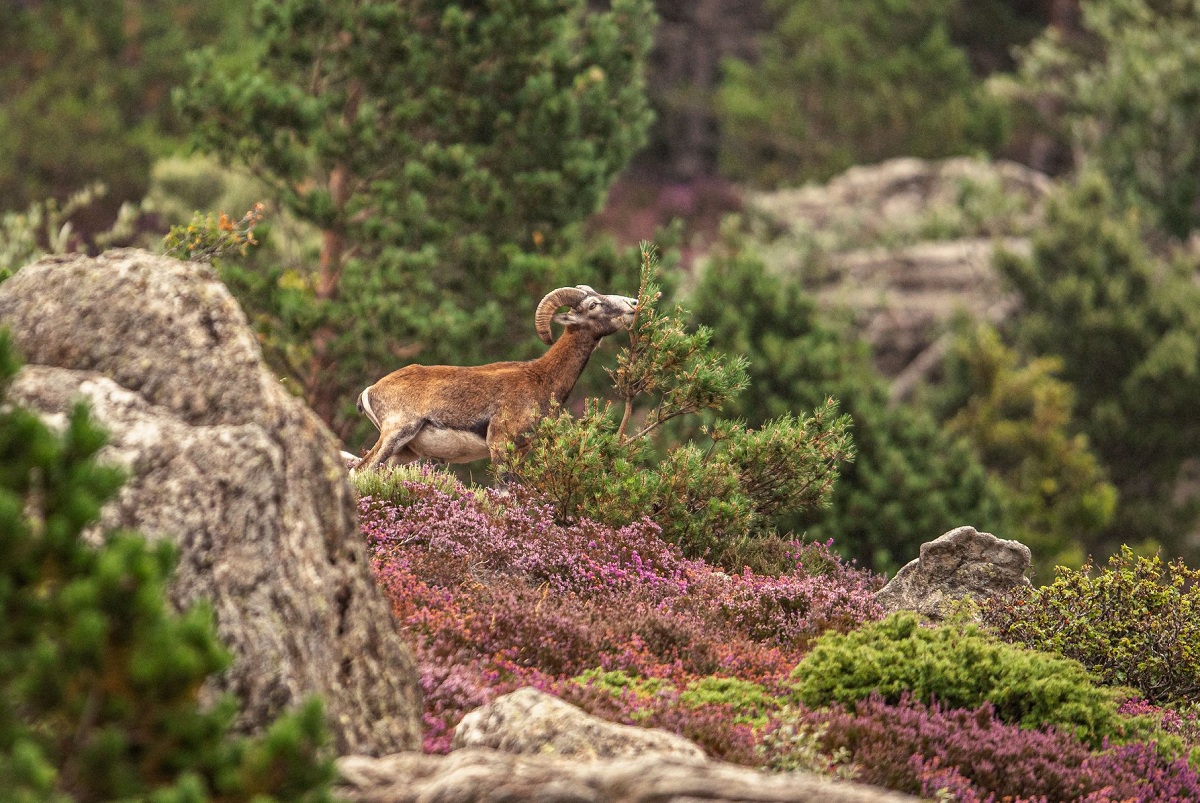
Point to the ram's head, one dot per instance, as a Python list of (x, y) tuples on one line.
[(599, 314)]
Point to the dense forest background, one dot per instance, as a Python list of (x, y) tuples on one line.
[(383, 182)]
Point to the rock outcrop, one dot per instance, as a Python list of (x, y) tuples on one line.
[(903, 298), (240, 475), (870, 202), (529, 722), (481, 774), (962, 564), (905, 245)]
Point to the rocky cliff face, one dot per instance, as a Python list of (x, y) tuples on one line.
[(905, 245), (241, 476)]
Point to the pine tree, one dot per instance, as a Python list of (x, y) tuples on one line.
[(86, 88), (1126, 327), (444, 151), (99, 681), (910, 481), (1124, 94), (1018, 414)]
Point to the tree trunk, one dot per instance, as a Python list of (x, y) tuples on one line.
[(321, 388)]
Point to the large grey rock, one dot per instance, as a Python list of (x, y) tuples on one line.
[(240, 475), (902, 299), (530, 722), (481, 774), (905, 246), (964, 563), (897, 197)]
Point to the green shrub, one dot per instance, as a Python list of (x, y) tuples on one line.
[(1017, 414), (960, 668), (731, 485), (99, 680), (1135, 623), (617, 681), (910, 480), (209, 238), (751, 702), (394, 483)]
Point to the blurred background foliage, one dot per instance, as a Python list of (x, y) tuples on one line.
[(836, 84), (429, 170)]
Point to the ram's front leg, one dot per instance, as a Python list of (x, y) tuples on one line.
[(510, 428), (499, 436)]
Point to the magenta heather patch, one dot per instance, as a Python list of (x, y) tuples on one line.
[(449, 691), (995, 757), (1185, 725), (1136, 772), (913, 748), (793, 610), (495, 594)]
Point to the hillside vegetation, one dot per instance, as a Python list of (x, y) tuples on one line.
[(693, 541), (790, 670), (774, 653), (381, 185)]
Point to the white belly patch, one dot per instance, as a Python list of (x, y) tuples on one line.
[(450, 445)]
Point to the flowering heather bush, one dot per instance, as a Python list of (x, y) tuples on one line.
[(883, 739), (1135, 623), (496, 595), (973, 754), (793, 609), (1183, 722), (1137, 771)]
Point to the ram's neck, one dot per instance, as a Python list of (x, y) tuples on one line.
[(560, 367)]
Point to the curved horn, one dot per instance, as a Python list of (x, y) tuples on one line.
[(562, 297)]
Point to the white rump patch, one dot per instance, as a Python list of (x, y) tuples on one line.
[(365, 398)]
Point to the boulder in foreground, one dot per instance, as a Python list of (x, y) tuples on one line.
[(481, 774), (243, 477), (529, 722)]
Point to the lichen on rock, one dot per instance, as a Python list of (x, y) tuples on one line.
[(244, 478)]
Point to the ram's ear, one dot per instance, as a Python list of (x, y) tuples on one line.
[(567, 318)]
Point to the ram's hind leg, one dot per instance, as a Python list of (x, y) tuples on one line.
[(393, 437)]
